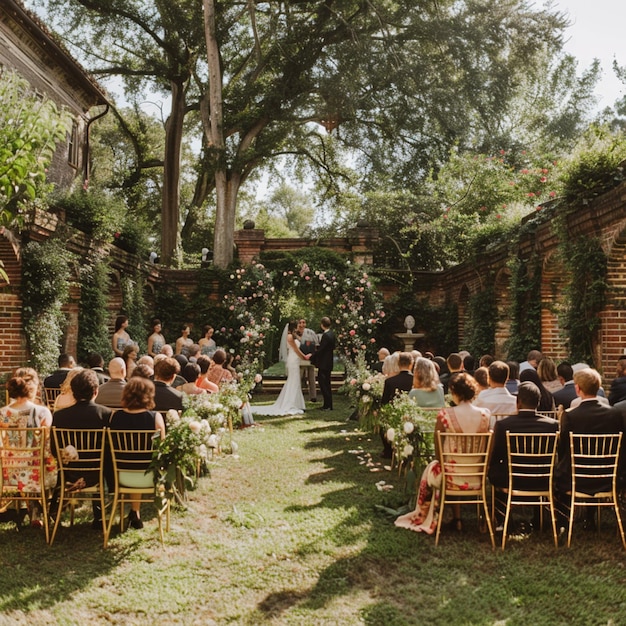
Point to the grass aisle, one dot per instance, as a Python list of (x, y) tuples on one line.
[(288, 534)]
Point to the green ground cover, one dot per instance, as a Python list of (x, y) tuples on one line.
[(288, 533)]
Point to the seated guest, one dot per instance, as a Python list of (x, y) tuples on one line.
[(95, 362), (485, 360), (497, 398), (577, 367), (546, 369), (547, 401), (590, 417), (110, 393), (526, 421), (531, 362), (402, 381), (204, 363), (129, 355), (66, 362), (190, 373), (481, 376), (165, 396), (382, 354), (617, 393), (167, 350), (66, 397), (564, 396), (137, 414), (454, 364), (513, 379), (23, 412), (469, 364), (427, 390), (217, 373), (85, 414), (143, 371), (194, 352), (146, 359), (390, 365), (462, 418)]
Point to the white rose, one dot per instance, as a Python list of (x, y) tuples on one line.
[(366, 386), (365, 399), (213, 441), (407, 451), (409, 427), (391, 434), (195, 427)]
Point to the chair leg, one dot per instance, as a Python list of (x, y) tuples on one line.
[(442, 500)]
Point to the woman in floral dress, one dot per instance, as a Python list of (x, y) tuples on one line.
[(23, 412), (462, 418)]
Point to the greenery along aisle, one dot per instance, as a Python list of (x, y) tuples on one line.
[(287, 533)]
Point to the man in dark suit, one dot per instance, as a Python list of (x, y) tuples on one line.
[(590, 417), (563, 397), (165, 396), (617, 392), (402, 381), (66, 362), (323, 359), (86, 415), (526, 421)]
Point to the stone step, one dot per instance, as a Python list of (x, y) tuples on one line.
[(274, 385)]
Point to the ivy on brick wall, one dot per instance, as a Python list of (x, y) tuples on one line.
[(480, 327), (526, 307), (585, 295), (133, 306), (93, 314), (45, 289)]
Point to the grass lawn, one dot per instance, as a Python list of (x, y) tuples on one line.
[(288, 533)]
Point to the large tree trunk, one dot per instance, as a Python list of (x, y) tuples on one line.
[(227, 188), (170, 211)]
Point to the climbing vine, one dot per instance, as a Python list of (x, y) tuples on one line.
[(525, 308), (45, 289)]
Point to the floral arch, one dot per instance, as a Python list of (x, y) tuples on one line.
[(263, 297)]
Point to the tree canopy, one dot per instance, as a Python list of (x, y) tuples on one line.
[(389, 87)]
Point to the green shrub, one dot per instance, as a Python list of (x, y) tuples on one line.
[(45, 289)]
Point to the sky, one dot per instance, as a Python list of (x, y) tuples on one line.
[(597, 31)]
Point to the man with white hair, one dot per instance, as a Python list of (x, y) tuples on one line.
[(110, 393), (383, 353)]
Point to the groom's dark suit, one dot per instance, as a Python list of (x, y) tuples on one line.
[(323, 360)]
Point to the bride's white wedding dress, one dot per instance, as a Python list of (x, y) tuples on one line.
[(290, 401)]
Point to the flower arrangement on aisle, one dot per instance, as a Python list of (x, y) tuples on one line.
[(182, 456), (410, 429), (365, 390)]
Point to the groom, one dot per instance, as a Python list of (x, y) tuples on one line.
[(323, 360)]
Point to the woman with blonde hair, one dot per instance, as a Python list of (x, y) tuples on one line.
[(427, 390), (66, 397), (546, 369)]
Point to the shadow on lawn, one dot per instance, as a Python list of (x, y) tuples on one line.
[(392, 576), (36, 575), (380, 561)]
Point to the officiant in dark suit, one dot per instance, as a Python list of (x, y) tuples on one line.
[(323, 359)]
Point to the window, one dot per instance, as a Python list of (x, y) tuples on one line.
[(73, 147)]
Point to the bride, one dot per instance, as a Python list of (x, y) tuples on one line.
[(290, 401)]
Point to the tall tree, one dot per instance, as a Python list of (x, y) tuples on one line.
[(397, 82)]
